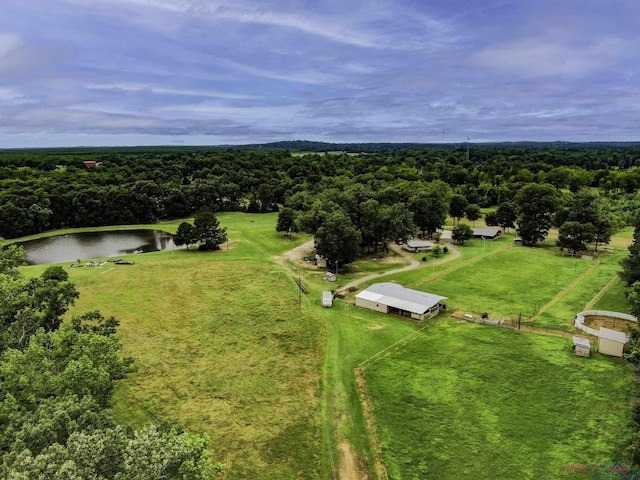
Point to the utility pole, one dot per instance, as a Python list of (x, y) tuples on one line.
[(467, 149)]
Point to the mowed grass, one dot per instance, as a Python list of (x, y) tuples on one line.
[(221, 346), (561, 313), (472, 401), (614, 299), (507, 281)]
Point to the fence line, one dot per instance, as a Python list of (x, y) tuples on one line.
[(391, 346)]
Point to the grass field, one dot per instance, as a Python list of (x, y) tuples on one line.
[(470, 401), (224, 347)]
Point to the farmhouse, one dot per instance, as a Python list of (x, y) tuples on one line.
[(417, 246), (394, 298), (611, 342), (486, 233)]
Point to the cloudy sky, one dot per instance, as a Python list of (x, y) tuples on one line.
[(193, 72)]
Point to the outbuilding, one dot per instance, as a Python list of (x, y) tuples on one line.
[(418, 246), (611, 342), (327, 299), (581, 346), (391, 297), (486, 233)]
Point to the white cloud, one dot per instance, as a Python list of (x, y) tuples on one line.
[(540, 57), (146, 88), (9, 42)]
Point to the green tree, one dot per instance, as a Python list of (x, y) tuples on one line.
[(631, 264), (457, 206), (429, 211), (592, 211), (186, 234), (286, 221), (535, 204), (63, 362), (472, 213), (506, 215), (153, 454), (337, 239), (575, 236), (461, 232), (11, 258), (26, 305), (208, 230)]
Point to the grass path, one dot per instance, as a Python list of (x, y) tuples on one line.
[(565, 291), (601, 293)]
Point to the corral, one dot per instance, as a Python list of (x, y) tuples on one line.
[(593, 321)]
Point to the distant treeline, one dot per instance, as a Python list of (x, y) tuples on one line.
[(47, 189)]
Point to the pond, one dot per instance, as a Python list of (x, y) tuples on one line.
[(95, 245)]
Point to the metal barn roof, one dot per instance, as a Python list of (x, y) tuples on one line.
[(397, 296), (419, 243), (613, 335), (486, 232)]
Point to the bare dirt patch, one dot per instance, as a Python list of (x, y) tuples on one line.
[(377, 327), (348, 466), (596, 321)]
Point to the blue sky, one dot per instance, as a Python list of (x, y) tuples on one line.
[(194, 72)]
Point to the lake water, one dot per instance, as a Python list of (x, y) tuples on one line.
[(95, 245)]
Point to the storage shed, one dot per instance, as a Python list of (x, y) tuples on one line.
[(391, 297), (327, 299), (581, 346), (611, 342)]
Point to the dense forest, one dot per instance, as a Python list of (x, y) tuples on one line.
[(360, 195)]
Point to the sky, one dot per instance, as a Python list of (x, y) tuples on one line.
[(209, 72)]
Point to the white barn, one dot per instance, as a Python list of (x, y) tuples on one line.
[(611, 342), (391, 297)]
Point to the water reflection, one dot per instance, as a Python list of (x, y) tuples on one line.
[(94, 245)]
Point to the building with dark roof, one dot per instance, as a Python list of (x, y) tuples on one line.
[(486, 233)]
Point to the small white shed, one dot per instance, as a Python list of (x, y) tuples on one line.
[(581, 346), (327, 299), (611, 342)]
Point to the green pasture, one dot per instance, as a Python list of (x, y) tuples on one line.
[(507, 281), (560, 315), (226, 345), (221, 346), (614, 299), (471, 401)]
